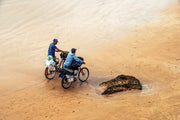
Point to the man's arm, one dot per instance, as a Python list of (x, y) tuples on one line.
[(78, 60), (58, 50)]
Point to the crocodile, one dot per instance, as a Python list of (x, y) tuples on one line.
[(121, 83)]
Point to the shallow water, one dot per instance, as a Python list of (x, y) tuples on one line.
[(27, 27)]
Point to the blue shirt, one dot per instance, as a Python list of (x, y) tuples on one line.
[(70, 58), (51, 50)]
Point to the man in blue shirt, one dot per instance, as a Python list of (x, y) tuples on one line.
[(73, 62), (52, 48)]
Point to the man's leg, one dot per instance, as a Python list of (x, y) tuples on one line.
[(73, 66), (54, 59)]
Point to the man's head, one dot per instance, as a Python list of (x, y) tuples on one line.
[(55, 41), (73, 50)]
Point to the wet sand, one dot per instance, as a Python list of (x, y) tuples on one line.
[(148, 50)]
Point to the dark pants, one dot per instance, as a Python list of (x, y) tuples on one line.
[(75, 64)]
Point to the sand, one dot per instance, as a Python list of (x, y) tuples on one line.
[(147, 49)]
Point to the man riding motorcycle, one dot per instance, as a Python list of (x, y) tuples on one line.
[(73, 62)]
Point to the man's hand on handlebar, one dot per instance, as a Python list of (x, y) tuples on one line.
[(64, 51)]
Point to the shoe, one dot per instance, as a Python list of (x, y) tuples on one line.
[(75, 78)]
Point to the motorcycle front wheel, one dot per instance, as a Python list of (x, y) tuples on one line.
[(50, 72), (83, 74)]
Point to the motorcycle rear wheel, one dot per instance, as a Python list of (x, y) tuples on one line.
[(65, 84)]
